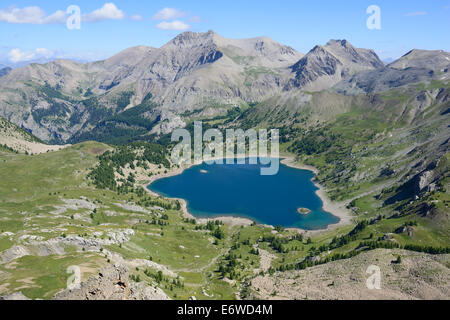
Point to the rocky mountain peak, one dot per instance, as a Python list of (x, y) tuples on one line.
[(324, 66), (316, 64), (341, 47), (4, 71), (426, 59), (357, 58), (130, 56), (317, 48), (344, 43), (189, 38)]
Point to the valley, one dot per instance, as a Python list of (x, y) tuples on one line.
[(80, 143)]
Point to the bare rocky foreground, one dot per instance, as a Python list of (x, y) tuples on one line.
[(112, 283), (418, 276)]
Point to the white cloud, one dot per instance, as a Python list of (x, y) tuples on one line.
[(136, 17), (16, 55), (32, 15), (174, 25), (413, 14), (43, 52), (109, 11), (35, 15), (57, 17), (20, 57), (168, 14)]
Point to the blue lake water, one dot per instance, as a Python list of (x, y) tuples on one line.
[(239, 190)]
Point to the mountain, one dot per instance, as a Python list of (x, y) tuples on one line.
[(326, 65), (4, 71), (205, 71), (415, 67), (15, 139), (198, 66), (144, 91), (38, 60), (436, 60)]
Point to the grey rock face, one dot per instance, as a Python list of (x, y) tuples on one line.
[(316, 64), (381, 80), (425, 59), (112, 283), (355, 58), (15, 296), (325, 66), (4, 71), (417, 66)]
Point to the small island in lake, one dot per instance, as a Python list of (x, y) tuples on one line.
[(303, 211)]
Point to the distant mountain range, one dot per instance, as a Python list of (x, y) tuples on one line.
[(40, 60), (4, 71), (414, 67), (195, 73)]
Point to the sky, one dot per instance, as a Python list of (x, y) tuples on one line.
[(37, 30)]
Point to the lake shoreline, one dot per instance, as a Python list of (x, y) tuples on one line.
[(337, 209), (334, 208), (234, 221)]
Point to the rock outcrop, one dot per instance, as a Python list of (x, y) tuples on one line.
[(419, 276), (415, 67), (4, 71), (325, 66), (112, 283), (15, 296)]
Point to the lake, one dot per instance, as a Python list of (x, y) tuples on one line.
[(239, 190)]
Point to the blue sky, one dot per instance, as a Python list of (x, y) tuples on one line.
[(110, 26)]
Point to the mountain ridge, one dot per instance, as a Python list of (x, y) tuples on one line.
[(203, 73), (4, 71)]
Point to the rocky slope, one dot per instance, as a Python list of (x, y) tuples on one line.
[(324, 66), (4, 71), (417, 66), (418, 276), (112, 283), (436, 60), (19, 140)]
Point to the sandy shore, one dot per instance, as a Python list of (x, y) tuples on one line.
[(335, 208)]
